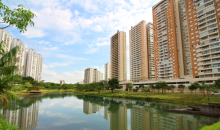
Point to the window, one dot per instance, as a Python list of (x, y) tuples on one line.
[(196, 72), (195, 67), (194, 58), (195, 62), (194, 50), (194, 54)]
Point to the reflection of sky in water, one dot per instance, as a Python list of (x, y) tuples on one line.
[(56, 114), (68, 112)]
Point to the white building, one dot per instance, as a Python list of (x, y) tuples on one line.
[(92, 75), (39, 68), (107, 71), (88, 75), (31, 63), (21, 55), (6, 38)]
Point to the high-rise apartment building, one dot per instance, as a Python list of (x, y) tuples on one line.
[(138, 52), (21, 55), (200, 31), (97, 75), (150, 47), (6, 38), (168, 52), (92, 75), (208, 51), (107, 72), (88, 76), (39, 67), (118, 56), (31, 63)]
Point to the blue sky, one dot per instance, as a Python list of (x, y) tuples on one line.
[(72, 35)]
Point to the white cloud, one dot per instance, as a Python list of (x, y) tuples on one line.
[(88, 5), (52, 48), (58, 64), (76, 12), (92, 50), (102, 44), (98, 28), (70, 57), (32, 32), (43, 42), (69, 76)]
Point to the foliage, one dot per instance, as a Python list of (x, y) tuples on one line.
[(181, 87), (129, 86), (29, 79), (160, 85), (4, 125), (215, 126), (194, 86), (217, 83), (20, 17), (113, 83)]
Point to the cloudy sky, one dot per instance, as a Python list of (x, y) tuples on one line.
[(72, 35)]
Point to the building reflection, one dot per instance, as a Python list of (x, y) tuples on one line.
[(26, 118), (89, 108), (151, 116)]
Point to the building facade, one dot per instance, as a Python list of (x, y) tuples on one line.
[(138, 52), (31, 64), (150, 47), (6, 39), (118, 56), (92, 75), (39, 67), (168, 52), (107, 72), (21, 56)]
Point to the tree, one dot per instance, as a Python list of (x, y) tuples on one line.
[(113, 83), (191, 88), (195, 86), (181, 87), (28, 78), (129, 86), (141, 87), (169, 87), (217, 83), (203, 87), (173, 87), (20, 17), (161, 84), (208, 88)]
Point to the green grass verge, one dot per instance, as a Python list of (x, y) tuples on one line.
[(4, 125), (215, 126), (177, 98)]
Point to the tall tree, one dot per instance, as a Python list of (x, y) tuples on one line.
[(113, 83), (203, 87), (161, 84), (217, 83), (129, 86)]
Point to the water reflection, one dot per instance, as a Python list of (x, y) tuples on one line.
[(26, 118), (119, 114)]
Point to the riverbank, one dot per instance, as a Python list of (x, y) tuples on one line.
[(176, 98), (215, 126)]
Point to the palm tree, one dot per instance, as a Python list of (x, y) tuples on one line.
[(7, 68)]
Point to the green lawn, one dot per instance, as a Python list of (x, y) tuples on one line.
[(177, 98), (215, 126)]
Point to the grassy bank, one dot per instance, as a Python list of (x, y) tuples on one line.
[(4, 125), (215, 126), (177, 98)]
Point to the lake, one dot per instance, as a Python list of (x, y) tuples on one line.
[(66, 111)]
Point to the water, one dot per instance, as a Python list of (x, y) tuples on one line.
[(65, 111)]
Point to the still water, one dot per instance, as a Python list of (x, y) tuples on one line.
[(65, 111)]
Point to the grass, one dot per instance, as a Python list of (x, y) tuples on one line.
[(177, 98), (4, 125), (215, 126)]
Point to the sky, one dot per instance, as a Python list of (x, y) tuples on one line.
[(72, 35)]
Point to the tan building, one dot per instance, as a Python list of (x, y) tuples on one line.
[(6, 38), (138, 52), (168, 52), (150, 47), (118, 56)]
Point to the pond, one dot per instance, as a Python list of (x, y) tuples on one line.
[(66, 111)]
